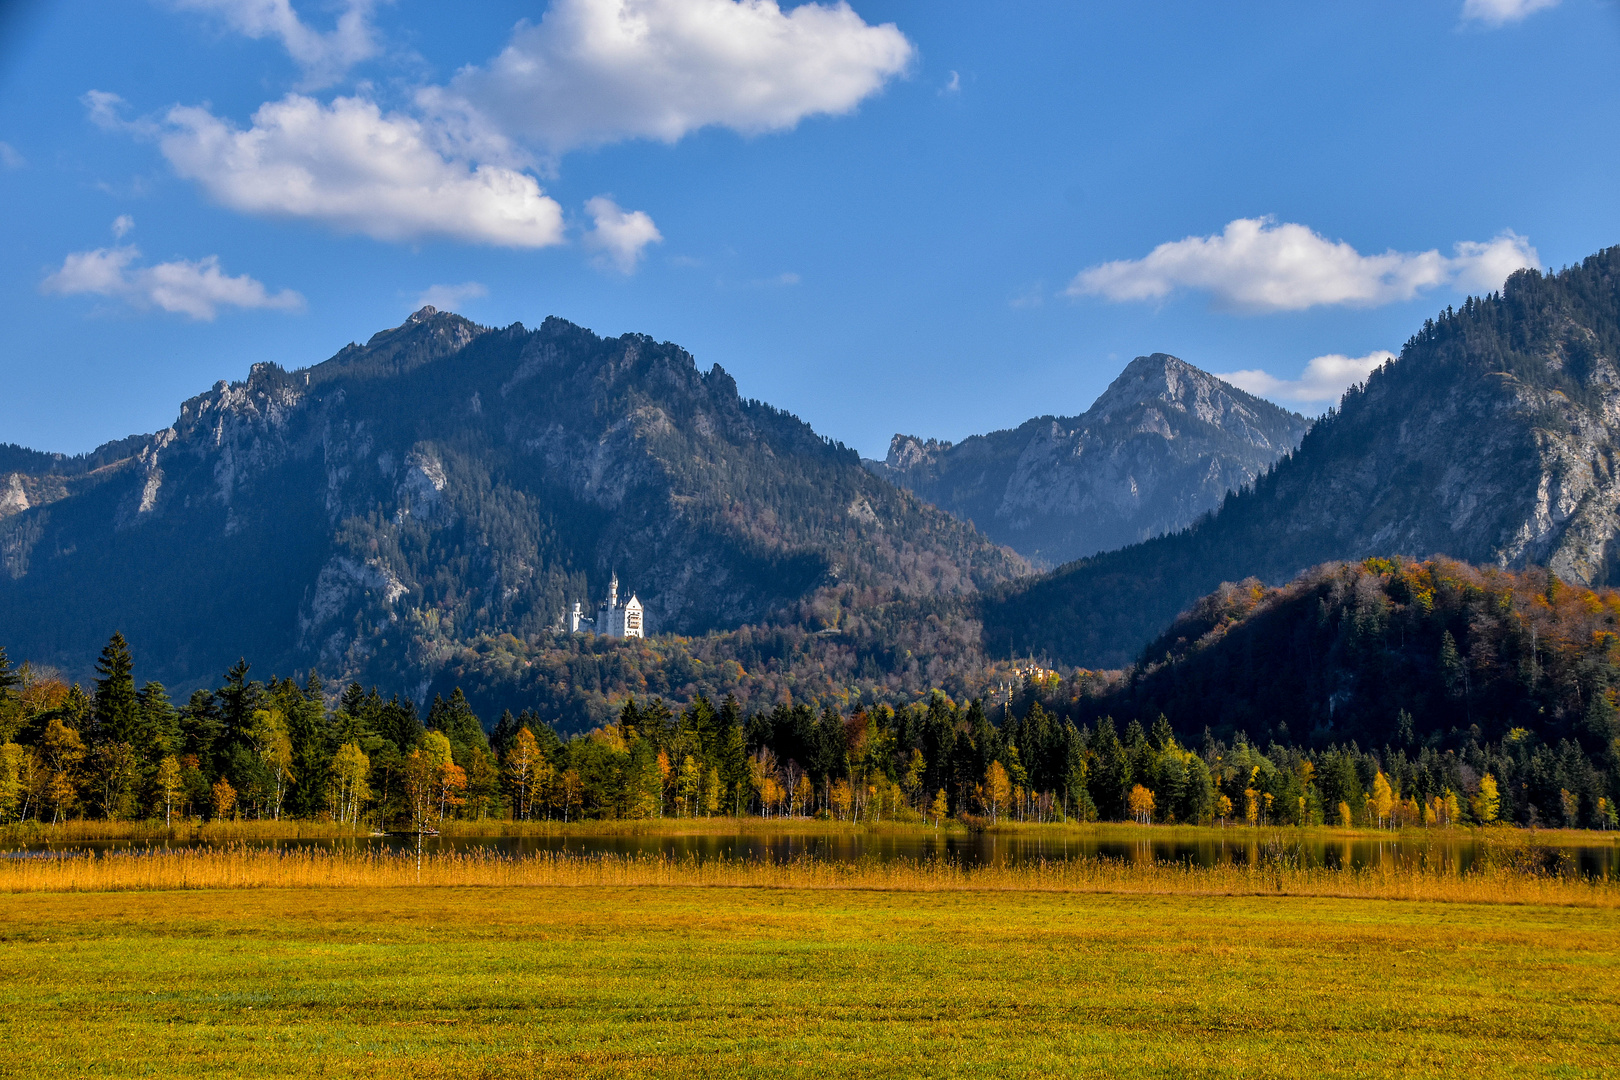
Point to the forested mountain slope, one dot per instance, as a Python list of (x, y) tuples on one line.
[(1162, 445), (372, 514), (1492, 439)]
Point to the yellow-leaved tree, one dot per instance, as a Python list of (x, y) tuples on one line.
[(268, 733), (1140, 803), (997, 789), (422, 771), (63, 750), (523, 759), (1382, 800), (1487, 801), (350, 767), (223, 798), (841, 798), (168, 786), (941, 807)]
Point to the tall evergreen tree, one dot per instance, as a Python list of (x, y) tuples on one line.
[(117, 713)]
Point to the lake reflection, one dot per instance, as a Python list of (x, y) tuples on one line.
[(1454, 854)]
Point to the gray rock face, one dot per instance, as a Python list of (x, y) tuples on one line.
[(446, 484), (1162, 445), (1494, 439)]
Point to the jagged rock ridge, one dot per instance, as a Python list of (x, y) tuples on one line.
[(1162, 445), (1494, 439), (373, 513)]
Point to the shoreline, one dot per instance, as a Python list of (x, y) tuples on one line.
[(1111, 832)]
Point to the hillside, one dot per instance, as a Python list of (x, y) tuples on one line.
[(1162, 445), (1492, 439), (445, 482)]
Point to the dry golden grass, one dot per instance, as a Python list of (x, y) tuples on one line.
[(217, 832), (68, 832), (1516, 876)]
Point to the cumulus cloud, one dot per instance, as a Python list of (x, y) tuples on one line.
[(618, 237), (122, 224), (1501, 12), (458, 162), (447, 297), (597, 71), (198, 289), (1259, 265), (350, 166), (1322, 383), (325, 57)]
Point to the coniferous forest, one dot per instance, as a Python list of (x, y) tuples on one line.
[(1384, 693)]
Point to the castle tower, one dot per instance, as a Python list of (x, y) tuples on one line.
[(613, 590)]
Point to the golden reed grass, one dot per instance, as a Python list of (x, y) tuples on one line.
[(242, 867)]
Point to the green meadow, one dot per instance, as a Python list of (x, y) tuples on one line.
[(714, 982)]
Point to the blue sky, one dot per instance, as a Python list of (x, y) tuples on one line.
[(938, 218)]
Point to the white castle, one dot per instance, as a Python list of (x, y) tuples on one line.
[(612, 618)]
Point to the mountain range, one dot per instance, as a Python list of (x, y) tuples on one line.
[(1494, 439), (371, 514), (421, 511), (1162, 446)]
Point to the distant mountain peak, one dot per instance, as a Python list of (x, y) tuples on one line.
[(1161, 445), (1162, 379)]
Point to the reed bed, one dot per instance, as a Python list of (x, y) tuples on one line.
[(217, 832), (242, 867), (223, 832)]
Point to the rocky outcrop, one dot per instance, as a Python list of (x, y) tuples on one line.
[(446, 483), (1494, 439), (1162, 445)]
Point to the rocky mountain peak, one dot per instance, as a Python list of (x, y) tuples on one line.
[(1165, 381), (1164, 443), (908, 451)]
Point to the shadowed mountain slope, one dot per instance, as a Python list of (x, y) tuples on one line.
[(1493, 439), (446, 481)]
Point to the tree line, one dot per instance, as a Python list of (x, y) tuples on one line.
[(278, 749)]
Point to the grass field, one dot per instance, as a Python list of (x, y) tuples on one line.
[(714, 982)]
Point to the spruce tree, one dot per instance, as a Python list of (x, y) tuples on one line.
[(117, 714), (160, 724)]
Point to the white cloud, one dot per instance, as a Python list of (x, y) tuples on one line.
[(121, 225), (457, 163), (447, 297), (105, 109), (197, 289), (596, 71), (618, 237), (1258, 265), (325, 57), (349, 166), (953, 85), (1322, 383), (10, 158), (1501, 12)]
